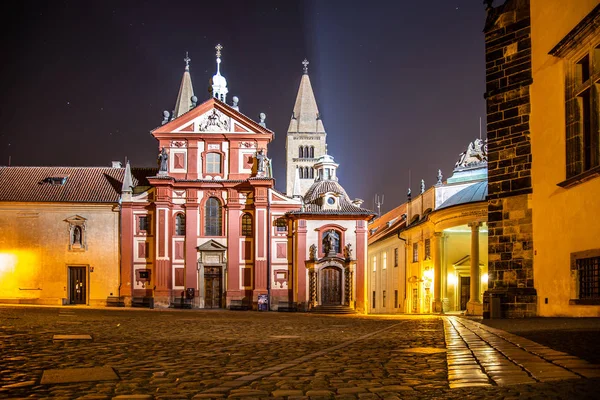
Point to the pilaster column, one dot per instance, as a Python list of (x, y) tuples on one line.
[(437, 272), (474, 306)]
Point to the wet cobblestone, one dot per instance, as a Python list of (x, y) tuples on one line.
[(182, 354)]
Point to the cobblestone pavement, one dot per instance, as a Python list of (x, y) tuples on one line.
[(185, 354)]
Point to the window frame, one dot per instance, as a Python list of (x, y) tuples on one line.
[(209, 219), (210, 163), (576, 278), (177, 225), (247, 228)]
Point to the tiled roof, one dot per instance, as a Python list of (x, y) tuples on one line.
[(82, 184), (388, 223), (312, 201)]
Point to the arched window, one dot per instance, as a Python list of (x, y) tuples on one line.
[(300, 152), (180, 225), (306, 175), (212, 217), (247, 225), (213, 163), (301, 172), (312, 151), (306, 152), (312, 173)]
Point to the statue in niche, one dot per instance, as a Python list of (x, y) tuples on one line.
[(163, 158), (330, 241), (348, 251), (77, 236), (312, 252)]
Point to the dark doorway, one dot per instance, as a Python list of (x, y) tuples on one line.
[(465, 291), (212, 287), (77, 285), (331, 286)]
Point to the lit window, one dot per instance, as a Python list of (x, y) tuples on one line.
[(427, 248), (384, 266), (374, 263), (415, 252), (212, 217), (247, 225), (213, 163)]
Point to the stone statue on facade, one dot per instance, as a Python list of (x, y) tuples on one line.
[(440, 177), (329, 243), (422, 186), (312, 252), (262, 163), (475, 154), (163, 158), (348, 251)]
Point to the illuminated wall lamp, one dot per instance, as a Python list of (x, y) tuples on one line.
[(452, 280), (484, 278)]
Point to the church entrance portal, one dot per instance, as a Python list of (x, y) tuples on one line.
[(331, 286), (77, 285), (212, 287)]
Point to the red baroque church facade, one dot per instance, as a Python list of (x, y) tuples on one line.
[(210, 230)]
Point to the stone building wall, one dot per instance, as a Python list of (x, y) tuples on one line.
[(508, 80)]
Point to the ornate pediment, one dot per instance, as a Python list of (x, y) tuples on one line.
[(214, 121), (211, 245)]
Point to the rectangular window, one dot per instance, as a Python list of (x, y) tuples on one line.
[(384, 263), (374, 263), (583, 113), (374, 297), (427, 249), (415, 252), (395, 299), (179, 276), (396, 257), (585, 272), (383, 302), (213, 163), (281, 225), (144, 223)]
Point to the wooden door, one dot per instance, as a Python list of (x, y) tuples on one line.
[(331, 286), (212, 287), (77, 285), (465, 291)]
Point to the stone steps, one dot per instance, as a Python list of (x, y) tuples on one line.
[(334, 309)]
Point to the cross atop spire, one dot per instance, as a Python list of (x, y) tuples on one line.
[(305, 64), (187, 60), (218, 47)]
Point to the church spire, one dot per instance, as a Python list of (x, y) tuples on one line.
[(186, 91), (218, 83), (306, 118)]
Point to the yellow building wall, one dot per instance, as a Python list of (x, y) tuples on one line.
[(564, 220), (35, 255)]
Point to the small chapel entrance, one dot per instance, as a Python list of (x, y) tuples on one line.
[(331, 286), (212, 287), (77, 285)]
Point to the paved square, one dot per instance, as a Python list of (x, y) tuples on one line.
[(193, 354)]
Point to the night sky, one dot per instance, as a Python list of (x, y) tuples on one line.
[(399, 84)]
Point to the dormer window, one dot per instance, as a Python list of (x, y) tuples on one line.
[(331, 201), (56, 180)]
